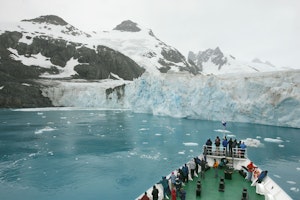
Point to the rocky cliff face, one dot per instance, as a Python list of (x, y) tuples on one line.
[(16, 76), (215, 56)]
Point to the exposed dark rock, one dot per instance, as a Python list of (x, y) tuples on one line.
[(214, 55), (128, 26), (174, 56), (119, 90), (104, 62), (48, 19), (16, 93)]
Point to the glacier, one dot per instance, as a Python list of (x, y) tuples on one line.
[(270, 98)]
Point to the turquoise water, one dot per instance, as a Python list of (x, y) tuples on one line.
[(113, 154)]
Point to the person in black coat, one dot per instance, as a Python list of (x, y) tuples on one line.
[(155, 193), (209, 144)]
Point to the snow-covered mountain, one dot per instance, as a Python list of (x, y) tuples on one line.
[(214, 61), (128, 38), (145, 48)]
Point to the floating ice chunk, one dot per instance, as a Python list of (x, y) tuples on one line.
[(158, 134), (222, 131), (32, 154), (143, 129), (294, 189), (155, 157), (273, 140), (190, 144), (277, 176), (26, 84), (181, 152), (231, 136), (252, 142), (40, 113), (281, 145), (258, 137), (298, 168), (46, 129), (291, 182)]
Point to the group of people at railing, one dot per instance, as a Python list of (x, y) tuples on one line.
[(229, 148)]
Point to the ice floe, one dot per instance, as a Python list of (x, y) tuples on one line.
[(274, 140), (222, 131), (190, 144), (46, 129)]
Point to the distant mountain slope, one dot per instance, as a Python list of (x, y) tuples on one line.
[(145, 48), (214, 61)]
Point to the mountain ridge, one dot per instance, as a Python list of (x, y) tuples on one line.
[(214, 61)]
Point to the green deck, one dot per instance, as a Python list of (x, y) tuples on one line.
[(210, 187)]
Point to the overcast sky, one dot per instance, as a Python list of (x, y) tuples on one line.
[(264, 29)]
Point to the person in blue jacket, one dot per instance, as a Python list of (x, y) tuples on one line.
[(262, 175), (165, 184), (185, 171)]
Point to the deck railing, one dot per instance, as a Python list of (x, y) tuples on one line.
[(224, 152)]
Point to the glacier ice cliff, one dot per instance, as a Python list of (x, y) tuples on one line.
[(271, 98)]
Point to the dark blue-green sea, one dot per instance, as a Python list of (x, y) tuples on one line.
[(99, 154)]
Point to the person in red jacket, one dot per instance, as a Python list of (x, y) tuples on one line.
[(145, 197), (173, 193), (251, 169)]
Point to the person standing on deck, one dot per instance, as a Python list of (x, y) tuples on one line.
[(215, 166), (173, 193), (173, 178), (145, 197), (155, 193), (224, 144), (251, 169), (217, 143), (182, 194), (192, 167), (243, 147), (165, 184), (208, 144), (230, 144), (197, 163), (185, 171), (234, 145), (203, 164)]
